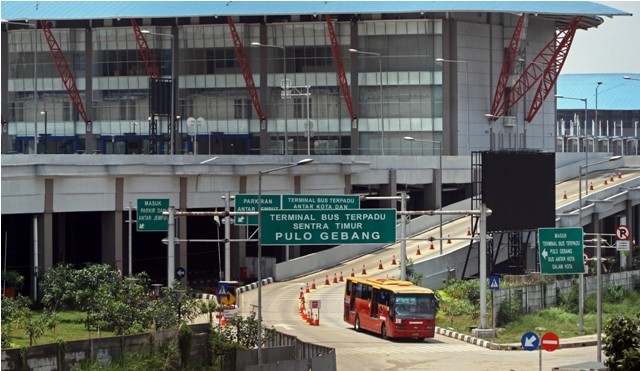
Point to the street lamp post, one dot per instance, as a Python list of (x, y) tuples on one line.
[(599, 285), (285, 87), (596, 112), (381, 100), (466, 70), (439, 193), (260, 173), (172, 117), (44, 113), (586, 144)]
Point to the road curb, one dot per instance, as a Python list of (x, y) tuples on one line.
[(253, 285), (568, 343)]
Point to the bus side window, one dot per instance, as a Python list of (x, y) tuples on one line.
[(348, 288)]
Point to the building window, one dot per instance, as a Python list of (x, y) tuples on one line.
[(242, 109), (300, 108)]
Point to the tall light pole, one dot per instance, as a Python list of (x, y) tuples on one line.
[(260, 173), (586, 143), (172, 119), (598, 291), (285, 87), (596, 111), (381, 100), (44, 113), (439, 193), (466, 70)]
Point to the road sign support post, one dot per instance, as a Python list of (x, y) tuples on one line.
[(227, 241), (483, 266), (171, 248), (403, 234)]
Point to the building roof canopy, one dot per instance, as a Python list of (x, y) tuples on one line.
[(78, 10)]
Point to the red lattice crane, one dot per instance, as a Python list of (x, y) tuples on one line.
[(507, 66), (64, 71), (545, 66), (337, 59), (241, 56), (150, 64)]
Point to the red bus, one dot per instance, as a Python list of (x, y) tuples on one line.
[(390, 307)]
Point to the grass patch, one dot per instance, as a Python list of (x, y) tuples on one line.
[(555, 319), (70, 327)]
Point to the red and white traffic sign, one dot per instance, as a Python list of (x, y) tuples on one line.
[(550, 342), (623, 233)]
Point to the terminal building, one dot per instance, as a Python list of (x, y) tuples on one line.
[(107, 103)]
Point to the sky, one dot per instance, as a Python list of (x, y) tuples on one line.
[(613, 47)]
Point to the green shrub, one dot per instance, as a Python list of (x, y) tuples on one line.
[(509, 311)]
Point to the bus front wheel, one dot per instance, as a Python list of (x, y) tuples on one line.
[(356, 324), (383, 331)]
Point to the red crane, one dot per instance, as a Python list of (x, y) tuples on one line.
[(241, 56), (546, 66), (149, 59), (337, 59), (65, 72)]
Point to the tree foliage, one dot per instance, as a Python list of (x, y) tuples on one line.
[(622, 343)]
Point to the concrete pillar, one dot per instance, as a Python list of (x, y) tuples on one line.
[(239, 249), (389, 189), (112, 246), (181, 230), (46, 229)]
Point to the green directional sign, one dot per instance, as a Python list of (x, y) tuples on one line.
[(328, 227), (246, 202), (150, 218), (320, 202), (561, 250)]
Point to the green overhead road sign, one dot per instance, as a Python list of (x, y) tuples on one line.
[(561, 250), (150, 218), (320, 202), (247, 202), (328, 227), (250, 203)]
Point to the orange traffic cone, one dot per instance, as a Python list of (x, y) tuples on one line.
[(326, 281), (469, 228), (313, 284), (316, 322), (448, 238), (364, 271), (380, 265), (310, 318), (591, 186), (418, 251), (301, 293), (605, 182), (611, 179), (335, 278), (304, 316), (393, 262), (307, 290), (352, 273), (431, 247), (564, 197), (341, 278), (619, 175)]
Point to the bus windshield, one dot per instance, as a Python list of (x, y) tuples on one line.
[(415, 306)]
